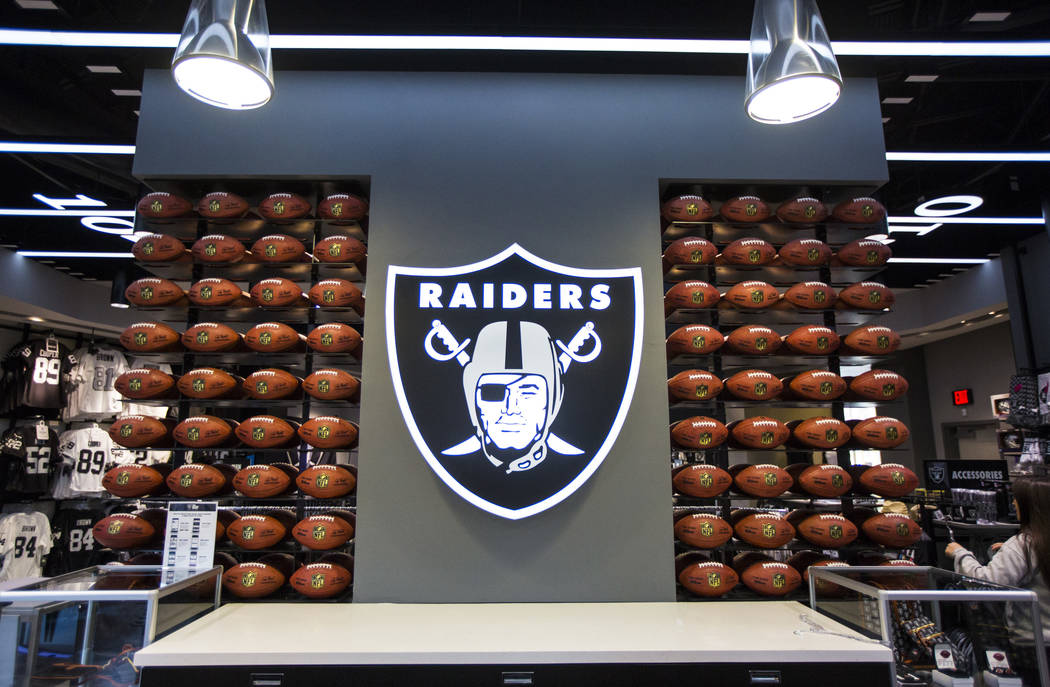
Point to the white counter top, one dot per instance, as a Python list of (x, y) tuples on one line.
[(542, 633)]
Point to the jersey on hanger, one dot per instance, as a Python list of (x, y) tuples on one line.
[(34, 458), (74, 545), (25, 538), (92, 394), (46, 365), (86, 451)]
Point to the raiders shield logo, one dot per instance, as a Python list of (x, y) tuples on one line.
[(486, 359)]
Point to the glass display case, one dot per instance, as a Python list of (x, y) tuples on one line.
[(84, 627), (944, 628)]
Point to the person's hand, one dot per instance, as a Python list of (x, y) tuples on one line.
[(996, 546), (952, 548)]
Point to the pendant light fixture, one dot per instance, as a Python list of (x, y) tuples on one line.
[(223, 56), (792, 73)]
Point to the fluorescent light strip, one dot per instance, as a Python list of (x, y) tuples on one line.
[(968, 157), (85, 39), (966, 220), (103, 69), (69, 254), (84, 148), (941, 261), (101, 212)]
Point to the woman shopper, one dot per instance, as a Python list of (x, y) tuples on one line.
[(1022, 561)]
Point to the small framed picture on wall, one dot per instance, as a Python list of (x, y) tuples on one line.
[(1000, 405)]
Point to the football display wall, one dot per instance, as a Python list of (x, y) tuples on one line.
[(463, 168)]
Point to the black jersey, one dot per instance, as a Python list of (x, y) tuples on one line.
[(46, 366), (74, 546), (34, 457)]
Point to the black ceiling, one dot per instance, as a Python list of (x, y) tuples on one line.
[(975, 103)]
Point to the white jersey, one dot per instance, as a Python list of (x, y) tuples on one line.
[(25, 538), (86, 450), (139, 408), (92, 396), (118, 455)]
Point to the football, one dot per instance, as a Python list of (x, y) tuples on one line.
[(693, 385), (753, 340), (826, 530), (219, 249), (687, 208), (272, 337), (216, 291), (208, 382), (879, 385), (694, 339), (699, 433), (196, 480), (864, 253), (703, 531), (203, 431), (819, 432), (327, 431), (161, 205), (150, 337), (211, 337), (759, 432), (252, 580), (764, 530), (270, 384), (802, 210), (867, 295), (153, 292), (701, 481), (133, 480), (804, 560), (859, 211), (335, 337), (708, 578), (822, 481), (754, 385), (322, 532), (225, 519), (278, 248), (338, 293), (266, 431), (873, 339), (812, 340), (342, 208), (891, 480), (689, 295), (277, 292), (764, 481), (894, 530), (158, 248), (340, 249), (123, 531), (140, 431), (264, 481), (805, 253), (326, 481), (691, 250), (331, 385), (745, 209), (879, 432), (284, 206), (144, 383), (811, 295), (222, 205), (320, 580), (752, 295), (749, 251), (254, 532), (771, 578), (816, 385)]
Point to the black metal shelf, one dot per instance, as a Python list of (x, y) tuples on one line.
[(772, 316), (777, 274), (774, 403), (777, 360), (251, 271), (225, 500), (255, 314), (242, 403), (292, 359)]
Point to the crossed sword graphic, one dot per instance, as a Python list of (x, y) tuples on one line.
[(569, 354)]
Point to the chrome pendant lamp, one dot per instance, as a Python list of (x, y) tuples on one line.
[(223, 56), (792, 73)]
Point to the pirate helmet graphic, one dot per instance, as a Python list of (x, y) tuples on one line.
[(513, 390)]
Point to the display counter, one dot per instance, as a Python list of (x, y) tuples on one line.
[(273, 645)]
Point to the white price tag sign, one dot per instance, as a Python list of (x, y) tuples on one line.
[(189, 541), (41, 431), (943, 654)]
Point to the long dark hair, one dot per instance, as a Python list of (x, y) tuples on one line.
[(1033, 513)]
